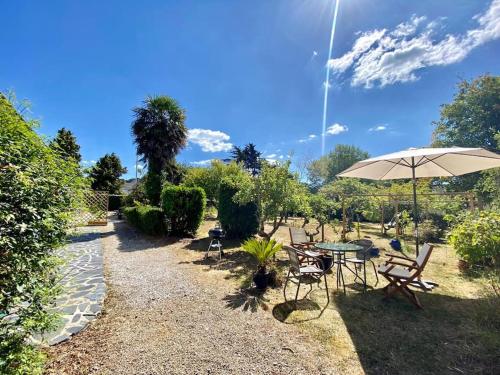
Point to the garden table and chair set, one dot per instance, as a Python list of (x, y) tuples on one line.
[(310, 262)]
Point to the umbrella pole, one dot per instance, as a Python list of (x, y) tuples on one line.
[(415, 210)]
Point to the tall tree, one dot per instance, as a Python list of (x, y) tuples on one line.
[(249, 156), (472, 119), (159, 134), (106, 173), (324, 170), (276, 191), (65, 144)]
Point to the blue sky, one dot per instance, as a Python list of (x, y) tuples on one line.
[(246, 71)]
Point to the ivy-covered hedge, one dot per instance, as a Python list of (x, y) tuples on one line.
[(238, 221), (148, 219), (37, 192), (183, 207)]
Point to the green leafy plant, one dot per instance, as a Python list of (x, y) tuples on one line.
[(39, 190), (476, 238), (263, 250), (184, 208), (238, 221)]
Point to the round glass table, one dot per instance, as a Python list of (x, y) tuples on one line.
[(339, 250)]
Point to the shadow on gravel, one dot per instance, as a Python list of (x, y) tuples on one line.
[(283, 310), (130, 239), (247, 299)]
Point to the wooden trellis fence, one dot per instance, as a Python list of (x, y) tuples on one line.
[(94, 209)]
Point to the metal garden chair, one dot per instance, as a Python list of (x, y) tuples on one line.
[(362, 256), (305, 271)]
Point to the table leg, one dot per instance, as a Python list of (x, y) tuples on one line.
[(364, 273)]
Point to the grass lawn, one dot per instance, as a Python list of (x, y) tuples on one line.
[(457, 332)]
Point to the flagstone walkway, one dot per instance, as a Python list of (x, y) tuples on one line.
[(83, 287)]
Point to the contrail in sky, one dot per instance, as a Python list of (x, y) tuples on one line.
[(325, 101)]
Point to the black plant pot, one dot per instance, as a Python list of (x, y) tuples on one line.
[(327, 262), (261, 279)]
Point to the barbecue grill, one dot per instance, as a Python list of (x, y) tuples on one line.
[(216, 234)]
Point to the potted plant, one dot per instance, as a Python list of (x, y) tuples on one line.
[(263, 250)]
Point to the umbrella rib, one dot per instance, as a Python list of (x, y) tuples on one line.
[(359, 167), (386, 173), (440, 166)]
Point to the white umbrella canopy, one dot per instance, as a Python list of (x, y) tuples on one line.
[(423, 162)]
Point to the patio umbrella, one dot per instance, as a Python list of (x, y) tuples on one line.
[(423, 162)]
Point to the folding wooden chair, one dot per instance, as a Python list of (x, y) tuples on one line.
[(403, 272)]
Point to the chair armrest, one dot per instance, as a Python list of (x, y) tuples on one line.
[(391, 255), (304, 255), (402, 264)]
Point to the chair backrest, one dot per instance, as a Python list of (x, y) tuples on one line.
[(294, 259), (366, 244), (423, 256), (298, 235)]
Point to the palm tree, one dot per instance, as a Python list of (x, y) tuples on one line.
[(160, 134)]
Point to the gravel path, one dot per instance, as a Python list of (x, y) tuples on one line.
[(164, 315)]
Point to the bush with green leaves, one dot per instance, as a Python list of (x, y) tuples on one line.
[(184, 208), (38, 191), (148, 219), (476, 238), (238, 221), (429, 232)]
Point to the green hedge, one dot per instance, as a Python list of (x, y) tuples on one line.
[(38, 191), (183, 208), (237, 221), (148, 219)]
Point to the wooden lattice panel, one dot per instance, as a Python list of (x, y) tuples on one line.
[(95, 209)]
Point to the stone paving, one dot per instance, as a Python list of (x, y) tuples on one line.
[(83, 287)]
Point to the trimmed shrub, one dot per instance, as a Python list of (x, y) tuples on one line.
[(237, 221), (38, 191), (476, 238), (147, 219), (183, 207)]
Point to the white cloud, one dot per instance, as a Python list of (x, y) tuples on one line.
[(210, 140), (88, 163), (310, 137), (336, 129), (378, 128), (408, 28), (315, 53), (271, 156), (201, 163), (380, 58)]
